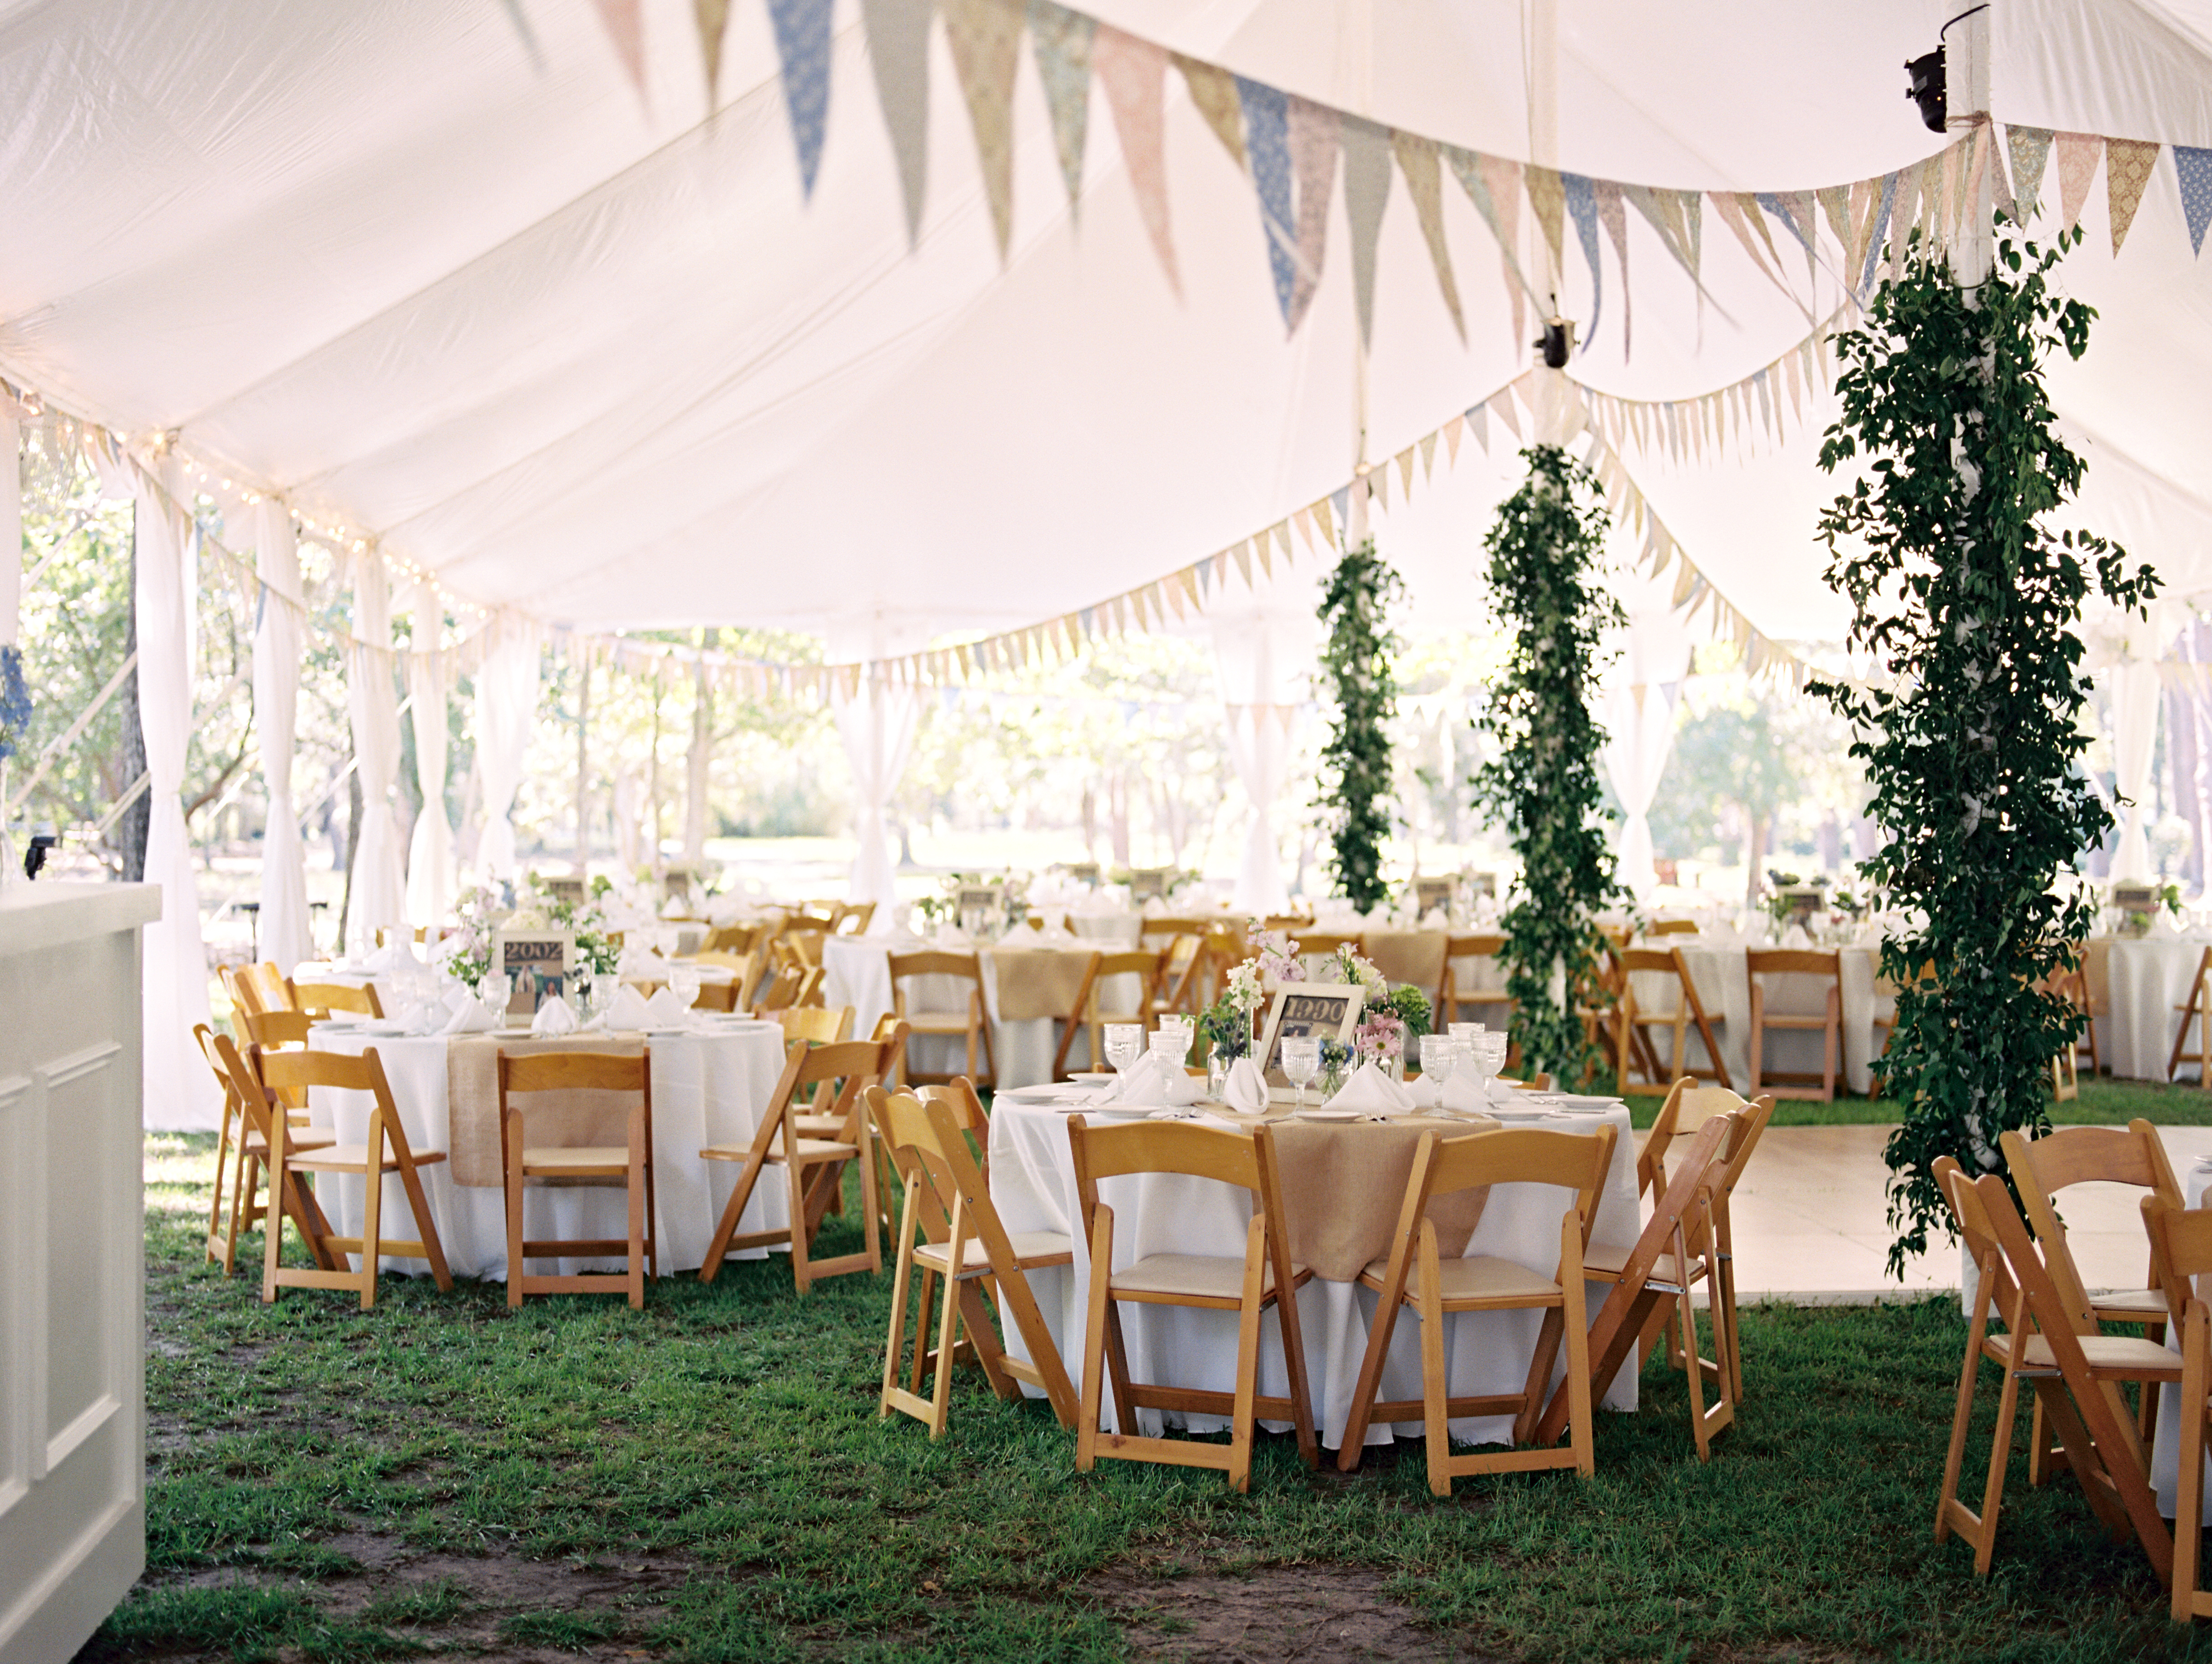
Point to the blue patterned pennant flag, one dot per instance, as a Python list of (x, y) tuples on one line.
[(802, 42), (1582, 205), (2192, 167), (1267, 145)]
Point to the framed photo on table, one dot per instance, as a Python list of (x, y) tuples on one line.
[(538, 964), (1330, 1010), (564, 890)]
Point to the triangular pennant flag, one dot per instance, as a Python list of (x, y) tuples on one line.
[(2128, 163), (1689, 206), (1242, 555), (1132, 72), (2077, 167), (1581, 198), (986, 38), (1324, 527), (1267, 143), (2001, 195), (1340, 501), (1835, 205), (1503, 403), (625, 25), (898, 51), (1376, 484), (1190, 588), (1731, 212), (1367, 194), (1428, 457), (1904, 215), (1417, 160), (2027, 148), (1314, 137), (1798, 210), (1213, 90), (1406, 469), (712, 17), (1452, 430), (1747, 203), (1979, 143), (1282, 529), (1878, 224), (1615, 218), (1547, 197), (1492, 184), (1061, 41), (802, 43), (1649, 205), (1478, 422), (2192, 171)]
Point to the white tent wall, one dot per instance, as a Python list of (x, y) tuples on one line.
[(286, 938), (379, 880), (430, 879), (1264, 649), (11, 531), (505, 707), (2135, 700), (1638, 711), (180, 1094)]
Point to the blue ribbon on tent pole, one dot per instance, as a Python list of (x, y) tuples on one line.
[(1582, 206), (2192, 171), (802, 42), (1267, 145)]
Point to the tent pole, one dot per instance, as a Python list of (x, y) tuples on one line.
[(1966, 53), (1541, 65)]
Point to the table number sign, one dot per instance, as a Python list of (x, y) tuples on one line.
[(564, 890), (1430, 893), (1330, 1010), (537, 963)]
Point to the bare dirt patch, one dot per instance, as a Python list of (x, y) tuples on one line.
[(1275, 1612)]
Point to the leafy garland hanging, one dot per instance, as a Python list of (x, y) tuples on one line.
[(1541, 783), (1972, 747), (1355, 762)]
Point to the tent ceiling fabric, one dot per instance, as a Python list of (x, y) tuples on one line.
[(595, 357)]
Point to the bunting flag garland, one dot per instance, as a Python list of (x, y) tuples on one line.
[(2192, 170), (986, 39), (1062, 40), (1582, 203), (802, 45), (1214, 92), (2028, 148), (1314, 132), (2128, 163), (1133, 74), (1614, 217), (1417, 160), (1548, 197), (2077, 167), (712, 17), (1367, 194), (1267, 143), (898, 51)]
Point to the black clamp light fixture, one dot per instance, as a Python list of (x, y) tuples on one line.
[(1926, 78), (1557, 342)]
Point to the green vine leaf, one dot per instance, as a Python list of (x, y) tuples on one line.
[(1355, 763)]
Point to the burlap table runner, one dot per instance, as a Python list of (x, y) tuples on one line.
[(1344, 1183), (1036, 983), (556, 1118), (1407, 955)]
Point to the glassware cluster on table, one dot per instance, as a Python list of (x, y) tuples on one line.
[(1478, 1049)]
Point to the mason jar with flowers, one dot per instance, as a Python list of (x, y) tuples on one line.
[(1390, 1017), (1226, 1024)]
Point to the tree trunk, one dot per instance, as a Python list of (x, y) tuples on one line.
[(702, 745), (135, 822), (353, 845), (1090, 823)]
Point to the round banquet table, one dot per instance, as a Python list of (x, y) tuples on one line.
[(1033, 1186), (2135, 983), (708, 1087)]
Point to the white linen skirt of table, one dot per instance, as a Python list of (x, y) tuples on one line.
[(1722, 972), (857, 973), (706, 1089), (1033, 1186), (2146, 978)]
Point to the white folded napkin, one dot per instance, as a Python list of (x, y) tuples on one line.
[(626, 1011), (952, 936), (554, 1018), (1426, 1090), (1460, 1090), (1245, 1088), (1372, 1090), (470, 1019), (1150, 1081), (642, 959), (1056, 933), (665, 1011)]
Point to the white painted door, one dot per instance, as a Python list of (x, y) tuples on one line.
[(72, 1381)]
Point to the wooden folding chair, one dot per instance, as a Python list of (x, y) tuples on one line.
[(1092, 1012), (1177, 983), (733, 939), (1415, 1274), (1655, 1271), (1264, 1277), (743, 967), (319, 999), (1684, 1010), (2041, 1168), (819, 1025), (1491, 1007), (629, 1163), (1070, 1022), (971, 1025), (386, 1150), (852, 917), (2080, 1393), (2181, 1247), (1305, 942), (812, 1167), (1674, 927), (261, 987), (842, 1117), (1687, 1109), (2197, 1009), (245, 1110), (1760, 962), (948, 1202)]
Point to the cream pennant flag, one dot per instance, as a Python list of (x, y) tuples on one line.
[(1789, 376), (1175, 597), (1836, 208), (1451, 438), (2028, 150), (1304, 520), (1503, 186), (1242, 555), (1378, 483), (1547, 197), (2001, 194), (1647, 202), (712, 17), (1865, 194), (1190, 588), (1132, 73), (1979, 145), (986, 39), (898, 54), (2077, 167), (1406, 467), (1800, 207), (1503, 403), (1282, 529), (624, 21), (1322, 522), (1731, 213), (1748, 208), (1417, 160), (1315, 134), (1213, 90), (1061, 41), (1428, 458), (1686, 211), (1904, 214), (1615, 218), (2128, 164), (1478, 423), (1367, 194)]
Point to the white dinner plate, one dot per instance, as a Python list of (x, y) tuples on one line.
[(1497, 1112), (1114, 1111), (1094, 1078), (1043, 1095), (1576, 1104), (1330, 1115)]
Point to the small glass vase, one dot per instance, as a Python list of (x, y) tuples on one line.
[(1220, 1059)]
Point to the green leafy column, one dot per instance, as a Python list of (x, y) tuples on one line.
[(1967, 601), (1541, 781), (1355, 665)]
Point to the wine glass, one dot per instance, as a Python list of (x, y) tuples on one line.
[(494, 990), (683, 983), (1487, 1052), (605, 986), (1438, 1055), (1301, 1062), (1125, 1044), (1183, 1029)]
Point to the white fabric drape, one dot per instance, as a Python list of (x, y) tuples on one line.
[(286, 933), (876, 726), (12, 526), (430, 882), (1638, 710), (1257, 658), (2135, 694), (379, 880), (507, 703), (179, 1093)]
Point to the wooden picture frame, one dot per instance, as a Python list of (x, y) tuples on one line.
[(1330, 1010), (570, 890), (1150, 884), (978, 898), (538, 964), (1430, 893), (1083, 872)]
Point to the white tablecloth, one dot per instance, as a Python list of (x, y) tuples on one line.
[(2165, 1437), (1033, 1185), (856, 972), (1721, 970), (706, 1089), (2144, 980)]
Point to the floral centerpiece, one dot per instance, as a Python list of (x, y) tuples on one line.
[(1227, 1023), (481, 911), (1389, 1017)]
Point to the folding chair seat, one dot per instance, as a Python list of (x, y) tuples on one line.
[(1654, 1274), (386, 1150), (962, 1243), (1264, 1277), (629, 1164), (812, 1167), (245, 1110), (1679, 1012), (1092, 1013), (2181, 1247), (1415, 1275), (969, 1024), (1827, 964)]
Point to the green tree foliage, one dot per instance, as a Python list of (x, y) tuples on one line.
[(1968, 604), (1541, 781), (1355, 763)]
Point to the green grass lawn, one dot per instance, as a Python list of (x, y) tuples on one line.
[(2103, 1102), (708, 1480)]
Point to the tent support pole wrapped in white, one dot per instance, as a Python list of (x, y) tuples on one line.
[(430, 856), (286, 935), (380, 885)]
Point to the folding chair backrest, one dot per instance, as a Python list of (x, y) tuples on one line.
[(1794, 961), (929, 1134), (2181, 1248), (273, 1028), (1675, 927), (934, 962), (1688, 1107), (1134, 961), (730, 939), (272, 989), (1996, 1289), (1659, 961), (816, 1024), (321, 999), (961, 1102), (1574, 1161), (890, 1032), (282, 1072), (577, 1071), (2043, 1167), (1106, 1151), (1176, 970), (2029, 1170), (208, 1038)]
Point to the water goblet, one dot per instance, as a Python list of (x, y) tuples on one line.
[(1465, 1032), (1487, 1052), (1301, 1062), (1184, 1028), (1125, 1044), (494, 990), (1438, 1054), (683, 983), (604, 984)]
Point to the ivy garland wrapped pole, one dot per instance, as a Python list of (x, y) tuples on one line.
[(1968, 605), (1355, 762), (1541, 781)]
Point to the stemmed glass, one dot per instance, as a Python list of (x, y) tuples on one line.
[(1301, 1062), (1487, 1052), (1183, 1030), (604, 984), (683, 983), (1125, 1044), (494, 990), (1438, 1054)]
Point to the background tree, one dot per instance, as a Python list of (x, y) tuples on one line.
[(1356, 677)]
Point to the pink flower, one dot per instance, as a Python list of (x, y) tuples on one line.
[(1381, 1036)]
